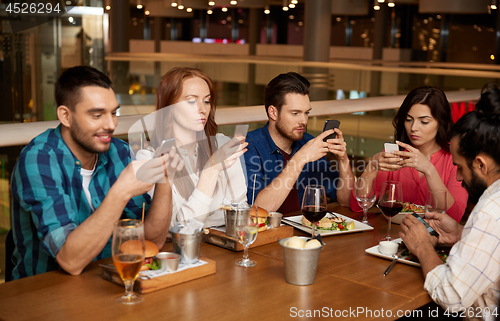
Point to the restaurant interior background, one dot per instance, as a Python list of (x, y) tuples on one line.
[(374, 50)]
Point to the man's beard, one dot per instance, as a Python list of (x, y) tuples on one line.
[(86, 142), (475, 187), (291, 136)]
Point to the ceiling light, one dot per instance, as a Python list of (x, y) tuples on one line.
[(285, 8), (174, 4), (108, 7), (391, 4), (211, 3), (180, 7), (147, 13), (267, 11), (294, 1), (224, 9), (189, 9), (291, 5), (381, 1), (233, 2), (375, 7), (209, 11), (139, 6)]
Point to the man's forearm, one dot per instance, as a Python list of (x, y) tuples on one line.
[(157, 222), (345, 184), (85, 242), (274, 194)]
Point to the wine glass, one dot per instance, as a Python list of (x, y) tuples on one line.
[(436, 201), (128, 255), (390, 202), (314, 205), (365, 195), (246, 232)]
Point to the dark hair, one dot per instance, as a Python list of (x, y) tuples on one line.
[(435, 99), (479, 130), (283, 84), (168, 93), (68, 85)]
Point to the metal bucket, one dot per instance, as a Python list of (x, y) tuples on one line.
[(234, 217), (188, 246), (300, 264)]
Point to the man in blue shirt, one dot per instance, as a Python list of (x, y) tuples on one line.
[(72, 183), (282, 159)]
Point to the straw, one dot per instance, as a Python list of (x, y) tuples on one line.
[(253, 194), (143, 207)]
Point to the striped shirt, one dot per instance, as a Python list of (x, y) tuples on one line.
[(48, 200), (470, 279)]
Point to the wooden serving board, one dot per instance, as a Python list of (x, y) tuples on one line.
[(164, 281), (220, 238)]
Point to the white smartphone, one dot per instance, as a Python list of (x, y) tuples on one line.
[(241, 130), (165, 147), (391, 147)]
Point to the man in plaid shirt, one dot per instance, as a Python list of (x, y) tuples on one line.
[(72, 183), (468, 285)]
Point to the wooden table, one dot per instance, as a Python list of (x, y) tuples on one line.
[(348, 280)]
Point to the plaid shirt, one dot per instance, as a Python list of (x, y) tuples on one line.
[(49, 201), (470, 279)]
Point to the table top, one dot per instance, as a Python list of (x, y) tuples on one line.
[(349, 283)]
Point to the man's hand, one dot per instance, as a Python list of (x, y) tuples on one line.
[(449, 230), (415, 235), (129, 183), (313, 149), (338, 146)]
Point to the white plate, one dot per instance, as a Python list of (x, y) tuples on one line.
[(404, 259), (358, 226)]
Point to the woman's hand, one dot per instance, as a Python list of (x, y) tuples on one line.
[(413, 158), (387, 162), (227, 155)]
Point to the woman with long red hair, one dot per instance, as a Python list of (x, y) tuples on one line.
[(186, 112)]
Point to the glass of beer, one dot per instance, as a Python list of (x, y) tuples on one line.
[(128, 255)]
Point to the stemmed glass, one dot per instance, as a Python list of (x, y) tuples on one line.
[(365, 195), (436, 201), (128, 255), (390, 202), (246, 232), (314, 205)]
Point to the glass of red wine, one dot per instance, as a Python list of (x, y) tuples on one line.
[(314, 205), (390, 202)]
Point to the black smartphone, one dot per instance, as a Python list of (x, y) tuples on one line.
[(165, 147), (241, 130), (331, 124), (427, 226)]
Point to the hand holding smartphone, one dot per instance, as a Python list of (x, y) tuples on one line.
[(427, 226), (165, 147), (331, 124)]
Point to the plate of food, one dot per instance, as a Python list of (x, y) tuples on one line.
[(406, 257), (331, 224), (408, 208)]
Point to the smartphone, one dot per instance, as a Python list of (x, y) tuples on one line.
[(391, 147), (241, 130), (165, 147), (427, 226), (331, 124)]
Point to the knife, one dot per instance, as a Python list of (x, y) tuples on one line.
[(394, 260)]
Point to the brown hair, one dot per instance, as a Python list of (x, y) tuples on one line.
[(276, 90), (168, 93), (440, 110)]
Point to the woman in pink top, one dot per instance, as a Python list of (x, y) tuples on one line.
[(424, 162)]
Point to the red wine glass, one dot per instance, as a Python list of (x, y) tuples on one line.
[(314, 205), (390, 202)]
